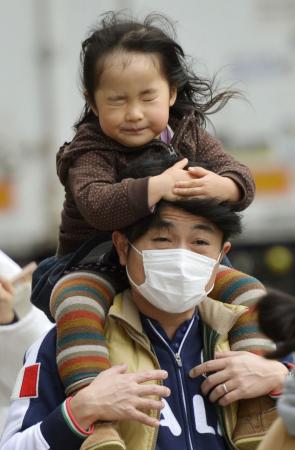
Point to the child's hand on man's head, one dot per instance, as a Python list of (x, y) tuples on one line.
[(204, 183), (162, 186)]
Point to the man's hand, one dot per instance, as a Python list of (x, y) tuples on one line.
[(117, 395), (6, 298), (204, 183), (239, 375)]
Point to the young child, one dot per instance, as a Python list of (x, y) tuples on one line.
[(141, 99)]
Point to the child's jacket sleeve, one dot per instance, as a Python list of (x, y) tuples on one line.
[(222, 163)]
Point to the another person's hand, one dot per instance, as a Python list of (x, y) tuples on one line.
[(6, 300), (239, 375), (117, 395), (204, 183)]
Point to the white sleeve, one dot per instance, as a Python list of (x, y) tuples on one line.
[(37, 418), (31, 438), (15, 339)]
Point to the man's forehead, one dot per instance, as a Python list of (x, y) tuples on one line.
[(171, 217)]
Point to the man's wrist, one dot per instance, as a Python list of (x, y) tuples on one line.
[(81, 410), (287, 369), (73, 423)]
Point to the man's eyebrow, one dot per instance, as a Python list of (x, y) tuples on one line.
[(165, 224), (204, 227)]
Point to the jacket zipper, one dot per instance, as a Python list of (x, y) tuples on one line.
[(171, 150), (178, 360)]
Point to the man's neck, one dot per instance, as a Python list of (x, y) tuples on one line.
[(170, 325), (168, 322)]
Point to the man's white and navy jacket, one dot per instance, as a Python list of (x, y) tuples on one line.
[(38, 419)]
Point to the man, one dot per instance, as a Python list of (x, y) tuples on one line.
[(160, 330)]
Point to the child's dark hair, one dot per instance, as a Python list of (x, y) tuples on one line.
[(119, 31), (276, 313)]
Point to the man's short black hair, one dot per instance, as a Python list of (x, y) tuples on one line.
[(220, 214)]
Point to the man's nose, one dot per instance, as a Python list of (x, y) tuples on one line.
[(184, 246)]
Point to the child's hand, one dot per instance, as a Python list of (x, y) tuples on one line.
[(6, 298), (204, 183), (162, 186)]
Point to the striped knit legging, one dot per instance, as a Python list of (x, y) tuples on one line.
[(79, 303), (237, 288)]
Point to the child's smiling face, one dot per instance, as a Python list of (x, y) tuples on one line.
[(133, 98)]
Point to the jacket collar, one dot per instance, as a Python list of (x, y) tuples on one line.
[(221, 317)]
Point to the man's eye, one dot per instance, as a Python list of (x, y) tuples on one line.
[(200, 242), (160, 239)]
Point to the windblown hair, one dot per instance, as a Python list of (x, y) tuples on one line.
[(276, 313), (118, 31)]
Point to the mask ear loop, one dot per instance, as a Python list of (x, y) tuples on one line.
[(210, 285), (126, 268), (130, 279), (134, 248)]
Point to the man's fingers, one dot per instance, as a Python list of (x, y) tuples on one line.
[(148, 404), (229, 398), (140, 416), (221, 390), (219, 355), (214, 380), (151, 375), (209, 366), (153, 389)]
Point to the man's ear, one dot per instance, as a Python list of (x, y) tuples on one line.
[(224, 250), (226, 247), (121, 245), (90, 103), (173, 95)]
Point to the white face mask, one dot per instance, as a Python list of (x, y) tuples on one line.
[(176, 280)]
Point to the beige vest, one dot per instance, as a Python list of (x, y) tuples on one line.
[(129, 345)]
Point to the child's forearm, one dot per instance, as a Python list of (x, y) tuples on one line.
[(155, 190), (233, 190)]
